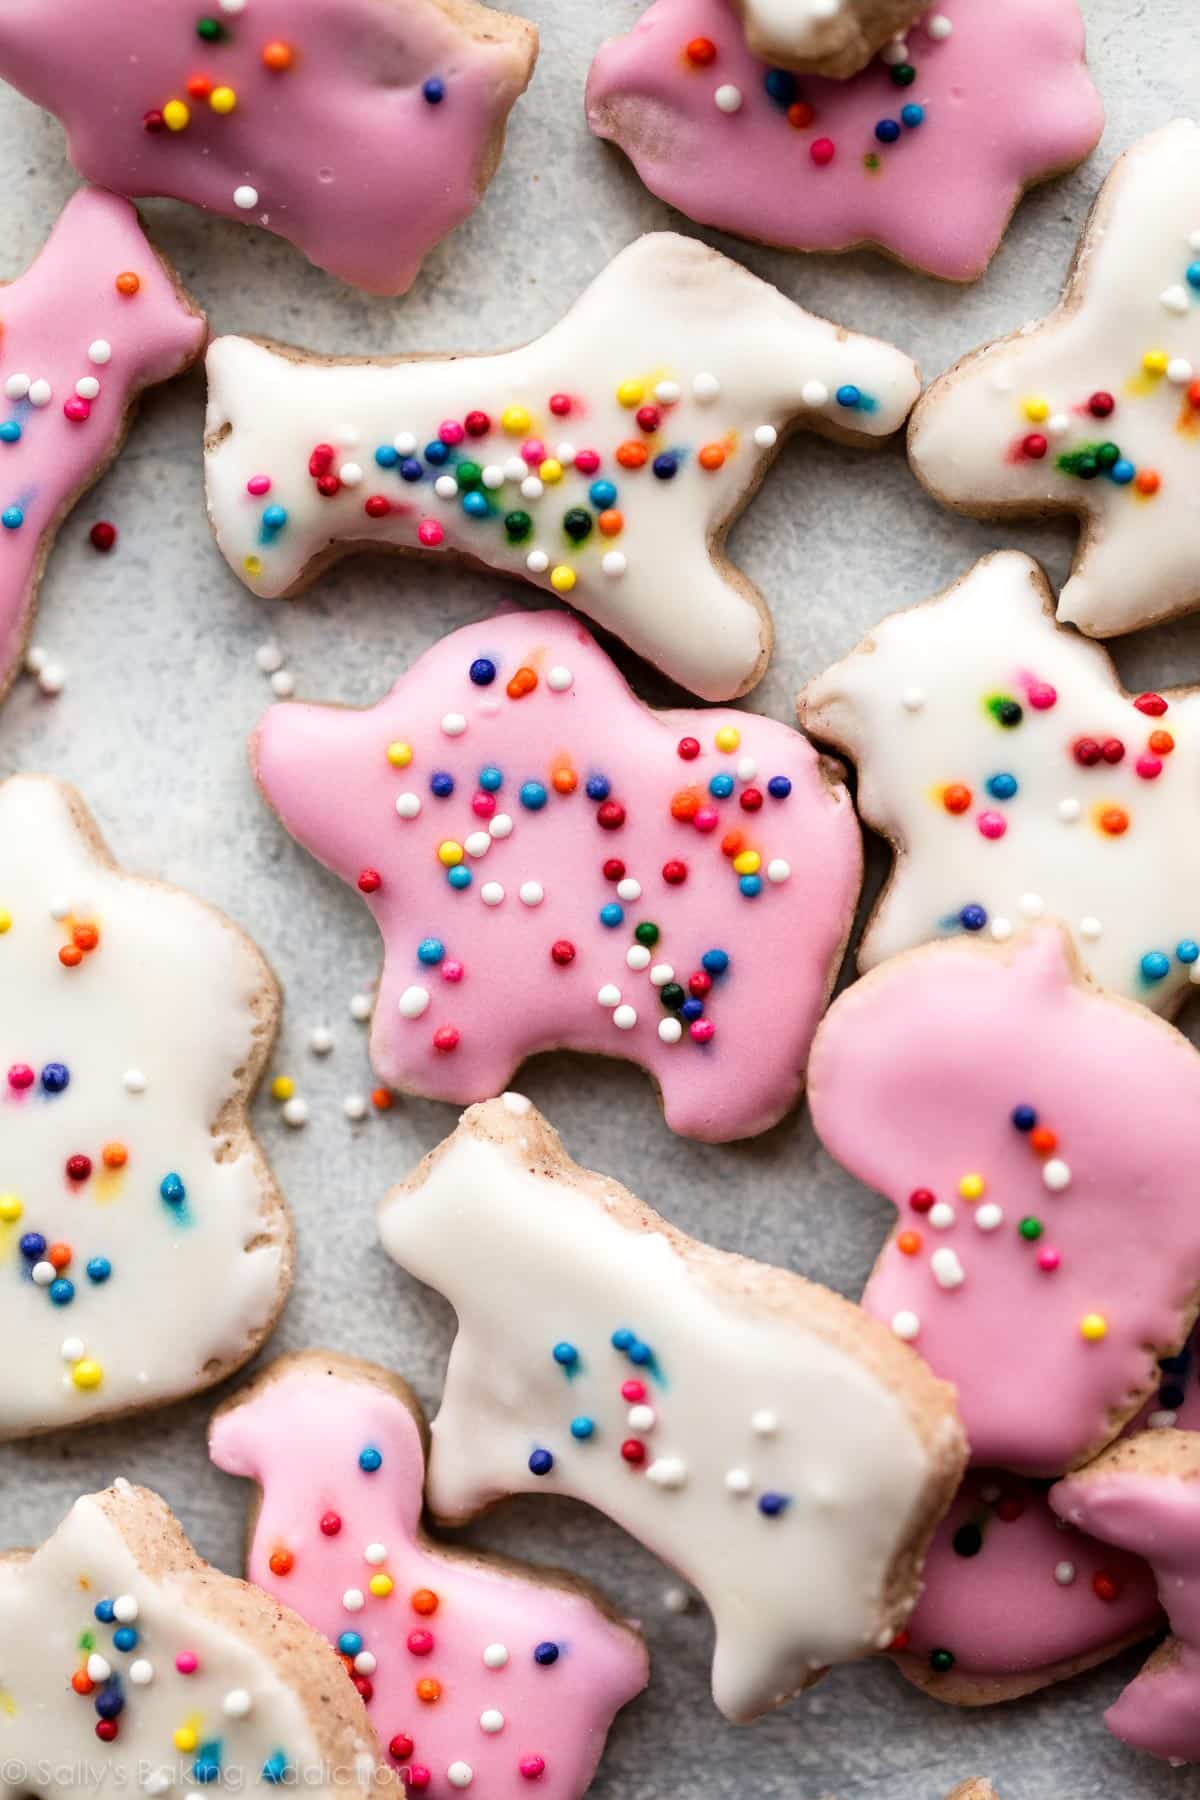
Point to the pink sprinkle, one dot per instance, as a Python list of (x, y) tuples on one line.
[(420, 1642), (707, 819), (992, 824), (1042, 696), (452, 970), (483, 805), (258, 484), (20, 1076), (187, 1662), (587, 462), (532, 1766), (1149, 767), (1048, 1259), (633, 1391), (451, 432), (702, 1031), (822, 152), (534, 451), (77, 409), (430, 533)]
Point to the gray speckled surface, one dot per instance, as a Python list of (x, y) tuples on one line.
[(158, 641)]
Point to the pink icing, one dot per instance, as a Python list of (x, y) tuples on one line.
[(348, 159), (1158, 1517), (915, 1078), (736, 1068), (51, 317), (1006, 98), (300, 1437)]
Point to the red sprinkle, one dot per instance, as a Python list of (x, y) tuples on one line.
[(321, 460), (614, 869), (701, 51), (921, 1200), (1113, 751), (822, 152), (103, 535), (1101, 405), (1010, 1509), (699, 984), (610, 815), (560, 405), (377, 506), (751, 799), (649, 418), (370, 881), (401, 1747), (106, 1730), (328, 486), (331, 1524), (634, 1452), (532, 1766), (1104, 1587), (153, 120), (1152, 704), (445, 1038), (688, 748), (1034, 446), (1086, 752), (420, 1643), (675, 872), (365, 1688), (478, 424), (417, 1778), (562, 951), (633, 1391), (79, 1167)]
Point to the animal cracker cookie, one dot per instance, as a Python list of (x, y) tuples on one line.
[(1014, 776), (552, 864), (1011, 1111), (1144, 1495), (787, 1456), (1096, 409), (475, 1671), (673, 378), (826, 37), (362, 131), (145, 1251), (973, 1790), (894, 158), (126, 1662), (93, 321)]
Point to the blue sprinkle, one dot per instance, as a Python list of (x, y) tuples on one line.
[(771, 1505), (441, 784), (275, 1768), (566, 1355), (110, 1702), (434, 90), (1193, 275), (541, 1462), (274, 518), (1122, 472), (10, 432), (692, 1009), (12, 518), (533, 795), (715, 961), (582, 1429), (1002, 787), (545, 1655), (437, 453), (779, 787), (1155, 965), (410, 469), (386, 456), (913, 115), (721, 786), (207, 1766), (750, 885), (490, 779), (602, 494), (482, 671), (640, 1354), (972, 918), (781, 86), (349, 1644), (62, 1291), (666, 465), (99, 1270), (887, 131), (125, 1639), (172, 1190), (103, 1610), (475, 505), (1187, 950), (612, 915), (33, 1246), (55, 1077), (430, 950), (1024, 1118), (599, 787), (849, 396), (622, 1339), (370, 1459), (459, 876)]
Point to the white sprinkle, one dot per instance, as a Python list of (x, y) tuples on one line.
[(43, 1273), (245, 197), (559, 679), (52, 679), (938, 27), (1162, 1421), (365, 1663), (515, 469), (350, 474), (17, 387), (638, 957), (404, 443), (282, 684), (460, 1775), (477, 843), (764, 1423), (1057, 425), (233, 6), (778, 870), (125, 1609), (97, 1668), (667, 392), (537, 562), (675, 1599), (355, 1107), (517, 1104), (71, 1349), (445, 487), (766, 437), (671, 1030), (501, 826), (1194, 973), (493, 476), (1032, 905), (408, 805), (609, 995), (532, 488), (495, 1656), (1001, 930), (705, 387), (1069, 811), (40, 393), (60, 908), (1091, 928), (737, 1481), (1175, 299), (629, 889), (641, 1418), (747, 768), (1179, 371), (989, 1217), (236, 1704), (353, 1600), (946, 1268), (87, 387), (565, 454), (661, 973), (912, 699), (906, 1325), (295, 1112), (625, 1018), (895, 52), (1057, 1175), (614, 563), (941, 1215), (1064, 1573), (375, 1554), (1194, 239), (269, 657), (667, 1472), (814, 393), (158, 1781), (100, 352), (491, 893), (454, 724), (320, 1040), (133, 1081), (35, 659), (532, 893), (491, 1721)]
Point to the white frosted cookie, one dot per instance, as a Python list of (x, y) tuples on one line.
[(1095, 409), (823, 37), (145, 1251), (604, 462), (789, 1456)]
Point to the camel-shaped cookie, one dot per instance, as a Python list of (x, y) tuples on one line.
[(486, 1673), (784, 1453), (128, 1664), (1034, 1135), (1144, 1495), (360, 130), (893, 158), (145, 1251), (1095, 410), (550, 863), (829, 37), (94, 320), (1015, 777), (605, 461)]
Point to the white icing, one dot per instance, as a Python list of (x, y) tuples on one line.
[(741, 356), (1139, 558), (151, 1027), (527, 1261), (1122, 896)]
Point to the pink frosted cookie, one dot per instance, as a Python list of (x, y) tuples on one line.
[(782, 1450), (1035, 1135), (98, 317), (823, 37), (1144, 1495), (360, 130), (476, 1672), (1096, 409), (128, 1665), (145, 1251), (1015, 777), (551, 864), (605, 461), (1014, 1599), (922, 155)]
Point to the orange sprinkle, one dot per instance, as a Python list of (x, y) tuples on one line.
[(282, 1562), (800, 114), (564, 781), (685, 805), (429, 1690), (70, 956), (1114, 821), (1148, 482), (59, 1256), (277, 55), (1043, 1140), (199, 87), (425, 1602), (381, 1099), (631, 454), (712, 456), (85, 937), (522, 683), (908, 1243), (82, 1682), (128, 283), (956, 798), (732, 843), (611, 522), (1162, 743), (114, 1156)]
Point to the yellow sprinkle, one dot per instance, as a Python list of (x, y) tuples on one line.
[(87, 1374), (1037, 409), (450, 853), (631, 393), (5, 921), (399, 755), (562, 579), (727, 738), (1093, 1326), (971, 1187), (515, 420), (175, 115), (253, 565), (185, 1738), (381, 1586), (282, 1088), (1155, 362), (10, 1209), (747, 862), (551, 471), (222, 100)]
